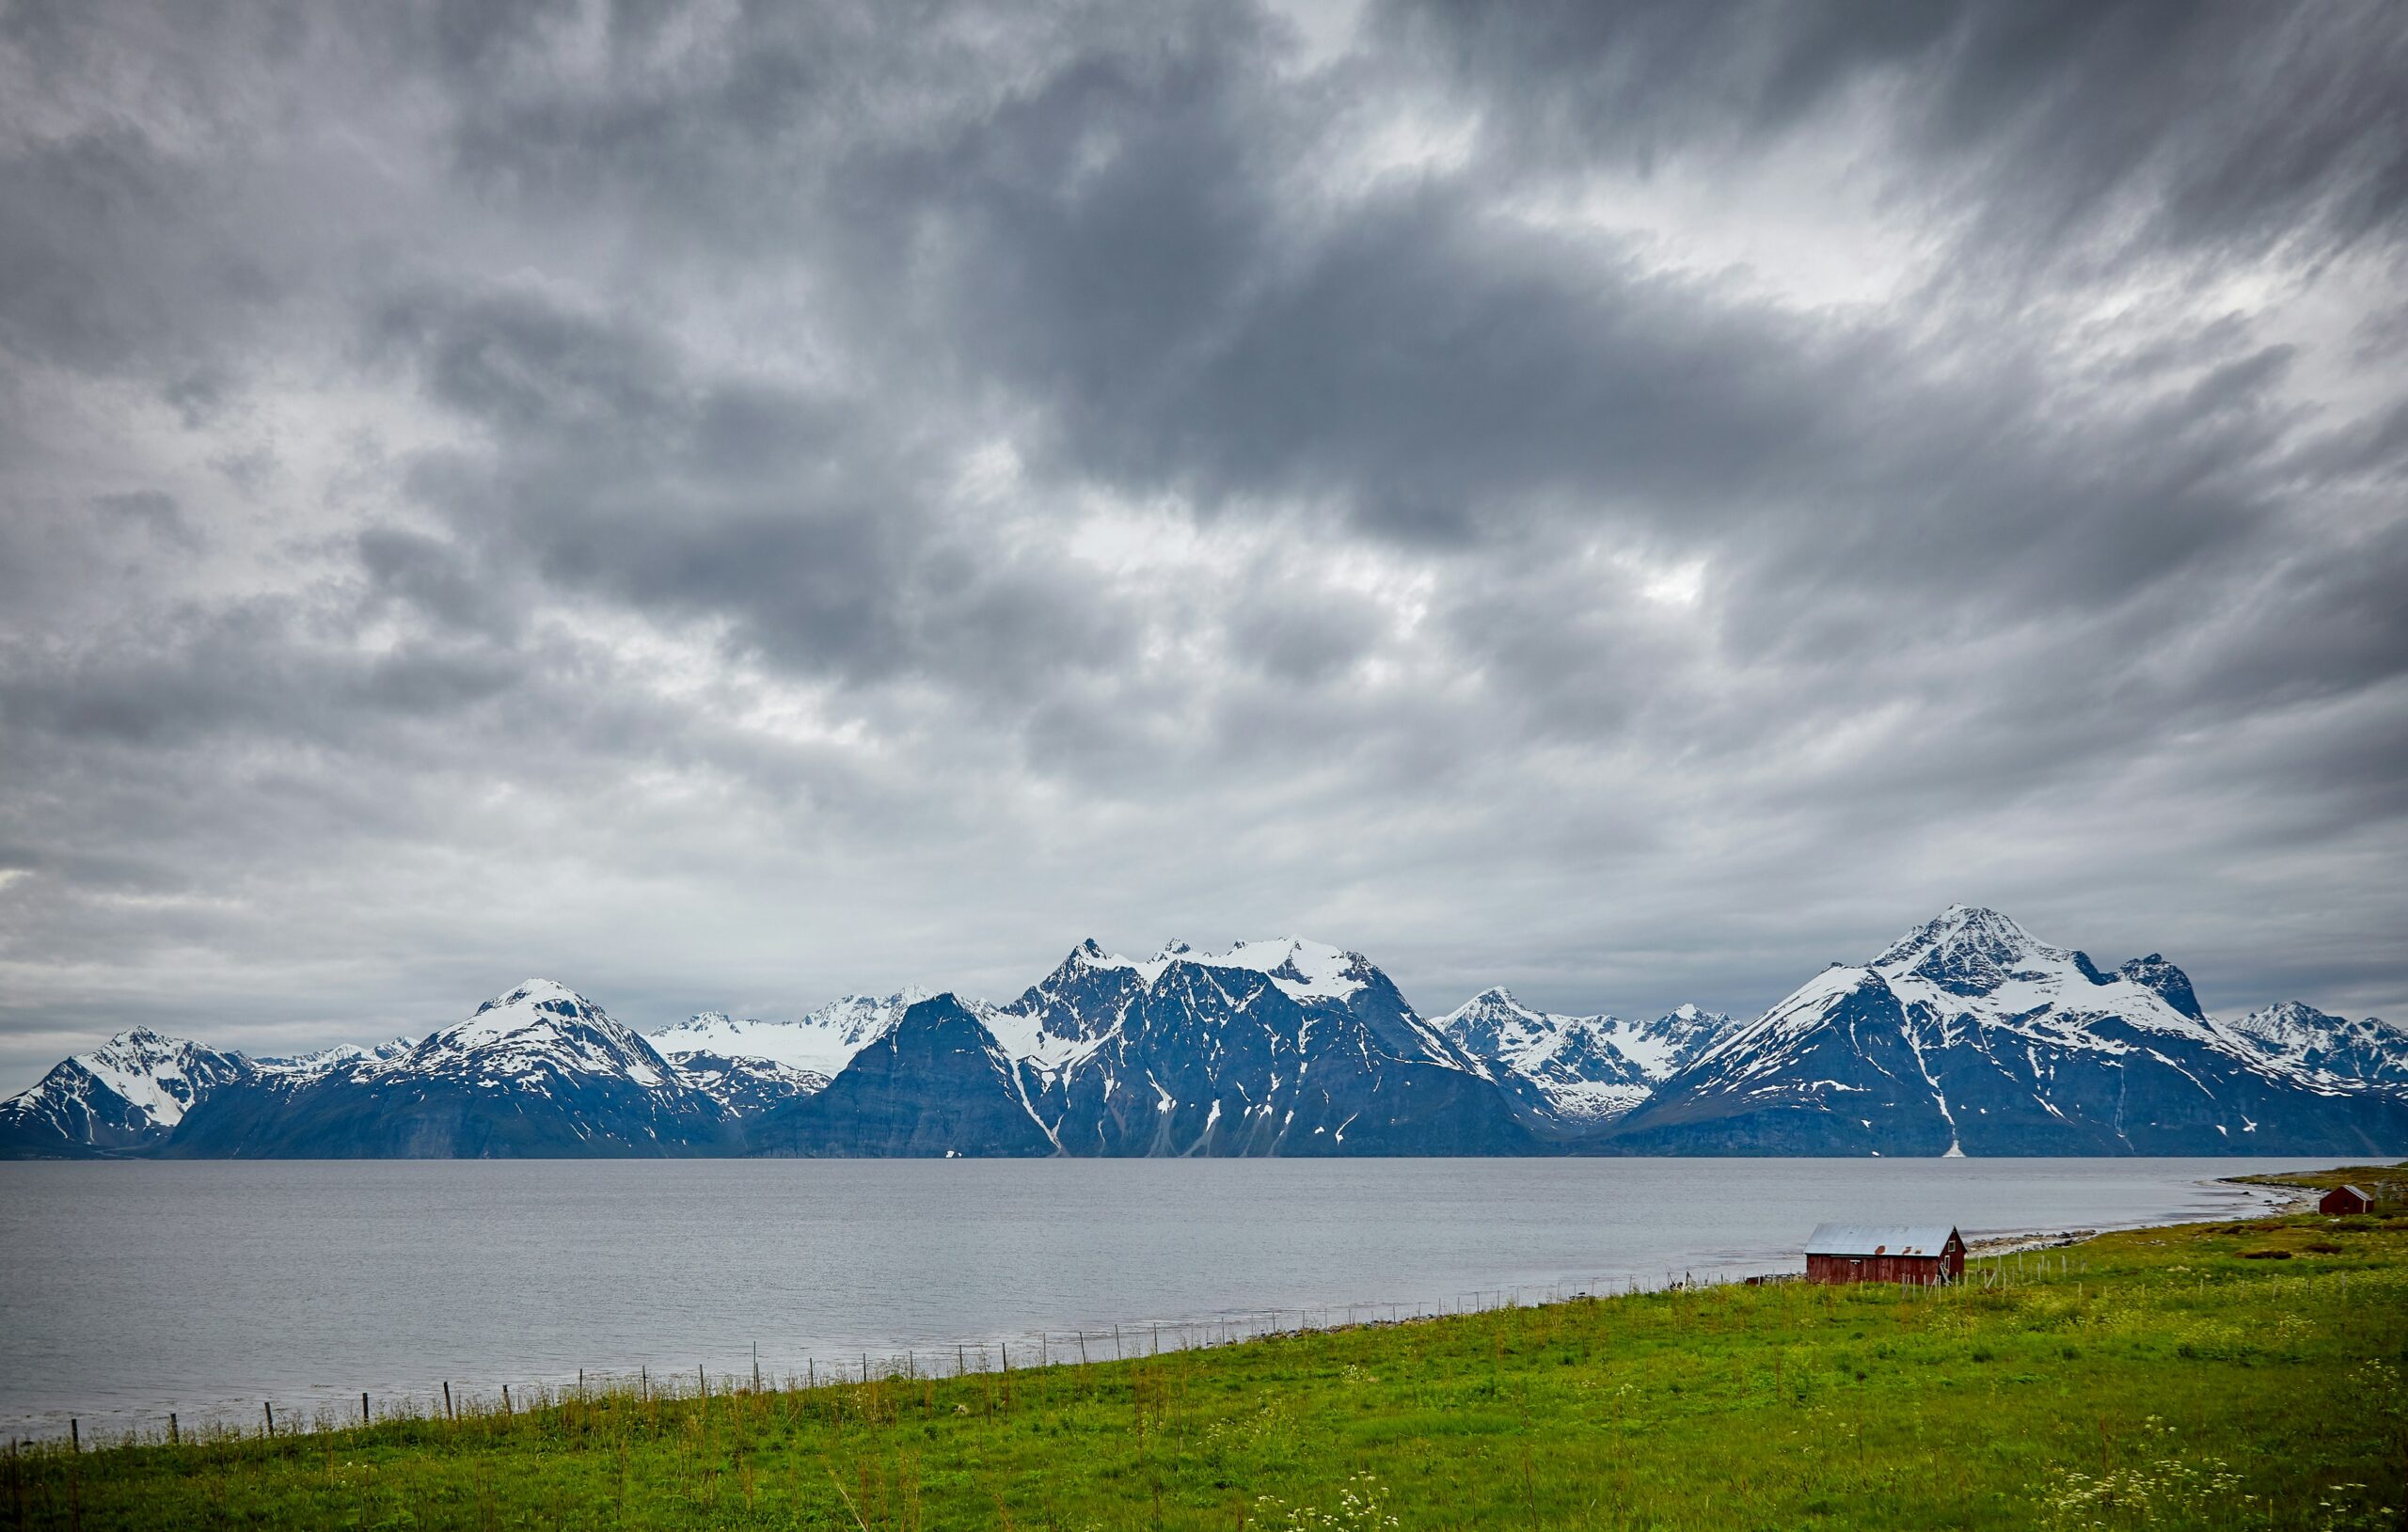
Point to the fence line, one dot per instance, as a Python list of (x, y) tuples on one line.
[(1052, 1350)]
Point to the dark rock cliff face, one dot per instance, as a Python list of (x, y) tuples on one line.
[(434, 1117), (1191, 1059), (1209, 1059), (935, 1085), (2170, 984)]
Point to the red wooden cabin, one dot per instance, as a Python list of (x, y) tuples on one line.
[(2344, 1199), (1926, 1254)]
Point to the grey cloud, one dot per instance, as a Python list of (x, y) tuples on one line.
[(1303, 636), (433, 576), (2142, 123), (812, 499), (153, 513)]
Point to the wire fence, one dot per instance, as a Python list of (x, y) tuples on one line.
[(1041, 1349)]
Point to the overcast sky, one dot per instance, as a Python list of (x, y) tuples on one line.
[(1630, 502)]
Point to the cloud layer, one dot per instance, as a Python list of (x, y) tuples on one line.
[(730, 506)]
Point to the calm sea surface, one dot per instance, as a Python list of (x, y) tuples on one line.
[(131, 1289)]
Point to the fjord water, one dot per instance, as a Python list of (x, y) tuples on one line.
[(128, 1289)]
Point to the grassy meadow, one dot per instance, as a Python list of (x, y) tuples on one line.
[(2225, 1375)]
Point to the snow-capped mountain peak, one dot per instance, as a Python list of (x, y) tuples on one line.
[(1975, 963), (2170, 984), (544, 996), (542, 1025), (1493, 1025), (2299, 1036), (129, 1093), (1970, 949), (152, 1072), (1307, 971), (2286, 1026), (1970, 1035), (1587, 1068)]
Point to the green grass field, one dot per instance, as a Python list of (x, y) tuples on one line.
[(2211, 1376)]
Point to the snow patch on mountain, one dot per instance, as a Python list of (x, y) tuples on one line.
[(1972, 1033), (541, 1028), (1976, 963), (325, 1061), (1305, 970), (821, 1042), (159, 1077), (742, 1085), (1666, 1044), (1588, 1068), (2300, 1037), (129, 1093)]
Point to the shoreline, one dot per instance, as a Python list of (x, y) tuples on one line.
[(1128, 1339)]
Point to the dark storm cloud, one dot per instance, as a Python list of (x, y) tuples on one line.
[(1629, 500)]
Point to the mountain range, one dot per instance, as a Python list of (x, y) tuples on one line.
[(1966, 1035)]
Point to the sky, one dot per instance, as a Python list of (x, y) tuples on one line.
[(727, 506)]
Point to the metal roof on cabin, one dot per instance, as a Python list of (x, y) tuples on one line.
[(2361, 1194), (1879, 1239)]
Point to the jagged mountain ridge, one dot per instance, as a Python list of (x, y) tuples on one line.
[(1572, 1073), (2329, 1048), (537, 1072), (129, 1094), (324, 1061), (1286, 1046), (1967, 1033), (1970, 1035)]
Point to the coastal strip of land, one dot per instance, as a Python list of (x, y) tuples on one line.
[(2246, 1373)]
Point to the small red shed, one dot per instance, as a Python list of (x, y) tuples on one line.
[(1925, 1254), (2344, 1199)]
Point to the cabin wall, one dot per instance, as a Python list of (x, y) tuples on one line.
[(1925, 1269)]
